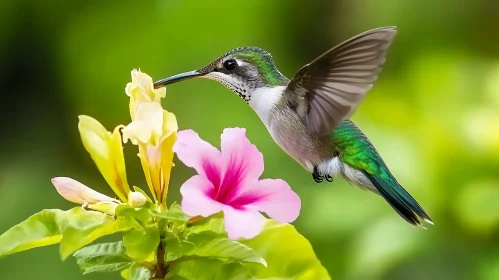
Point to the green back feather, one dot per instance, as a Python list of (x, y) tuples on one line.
[(358, 152)]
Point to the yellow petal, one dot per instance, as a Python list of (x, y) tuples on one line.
[(147, 127), (157, 164), (120, 181), (159, 93), (142, 79), (94, 136), (145, 166), (77, 192), (153, 154), (170, 128), (141, 90), (151, 114), (160, 159), (145, 81), (166, 163), (137, 95), (106, 151), (137, 133), (170, 125), (152, 158)]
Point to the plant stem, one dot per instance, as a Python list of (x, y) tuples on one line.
[(161, 267)]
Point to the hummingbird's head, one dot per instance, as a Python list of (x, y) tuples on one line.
[(242, 70)]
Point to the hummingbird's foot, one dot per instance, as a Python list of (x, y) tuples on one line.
[(317, 176), (329, 178)]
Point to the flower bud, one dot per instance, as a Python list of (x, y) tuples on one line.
[(77, 192), (136, 199)]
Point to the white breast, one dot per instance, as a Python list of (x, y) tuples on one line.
[(264, 99)]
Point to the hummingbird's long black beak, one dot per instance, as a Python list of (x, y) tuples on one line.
[(177, 78)]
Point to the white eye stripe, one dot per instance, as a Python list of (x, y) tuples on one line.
[(240, 62)]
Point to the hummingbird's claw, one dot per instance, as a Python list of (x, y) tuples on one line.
[(318, 179), (329, 178), (317, 176)]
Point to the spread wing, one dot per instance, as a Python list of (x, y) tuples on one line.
[(329, 89)]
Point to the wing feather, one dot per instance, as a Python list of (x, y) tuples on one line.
[(332, 86)]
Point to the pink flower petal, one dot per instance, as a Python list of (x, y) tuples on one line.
[(199, 154), (242, 163), (228, 182), (272, 196), (242, 223), (196, 198)]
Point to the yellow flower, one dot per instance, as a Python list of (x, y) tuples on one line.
[(141, 90), (154, 130), (106, 150)]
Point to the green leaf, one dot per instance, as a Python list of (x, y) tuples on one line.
[(207, 269), (83, 231), (211, 245), (41, 229), (140, 214), (104, 257), (213, 224), (136, 273), (288, 254), (174, 214), (174, 249), (141, 244), (74, 229)]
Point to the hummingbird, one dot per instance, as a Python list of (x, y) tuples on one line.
[(308, 116)]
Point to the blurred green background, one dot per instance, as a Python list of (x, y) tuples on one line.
[(433, 116)]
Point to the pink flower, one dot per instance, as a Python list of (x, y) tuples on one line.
[(228, 181)]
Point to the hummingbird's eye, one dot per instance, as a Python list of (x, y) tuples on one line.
[(230, 64)]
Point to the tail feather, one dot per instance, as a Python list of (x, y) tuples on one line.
[(400, 200)]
